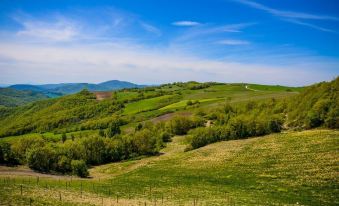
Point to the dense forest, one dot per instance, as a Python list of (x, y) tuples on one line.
[(73, 152), (10, 97)]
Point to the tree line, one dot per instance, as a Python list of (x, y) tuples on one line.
[(74, 155)]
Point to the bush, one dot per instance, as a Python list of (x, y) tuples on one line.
[(63, 137), (332, 119), (41, 158), (94, 150), (165, 136), (101, 133), (21, 146), (6, 155), (238, 127), (113, 129), (79, 168), (146, 142), (189, 103), (63, 164), (181, 125)]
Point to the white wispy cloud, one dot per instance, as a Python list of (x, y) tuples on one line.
[(110, 54), (186, 23), (150, 28), (309, 25), (58, 30), (288, 14), (292, 16), (140, 64), (212, 30), (233, 42)]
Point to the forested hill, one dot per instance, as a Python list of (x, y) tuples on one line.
[(317, 105), (82, 111), (54, 113), (314, 106), (10, 97)]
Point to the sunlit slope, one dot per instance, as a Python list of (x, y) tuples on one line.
[(290, 168), (296, 168)]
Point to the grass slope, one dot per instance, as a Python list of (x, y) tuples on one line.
[(295, 168)]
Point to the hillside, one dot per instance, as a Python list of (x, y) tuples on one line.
[(295, 168), (71, 88), (10, 97), (81, 111), (178, 144)]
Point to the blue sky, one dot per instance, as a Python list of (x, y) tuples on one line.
[(269, 42)]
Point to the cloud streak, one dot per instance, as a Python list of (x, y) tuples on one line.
[(186, 23), (209, 30), (151, 28), (288, 14), (291, 16), (60, 30), (233, 42)]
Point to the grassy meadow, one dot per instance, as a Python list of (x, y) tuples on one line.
[(278, 169)]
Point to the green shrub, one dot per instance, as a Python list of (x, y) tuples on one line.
[(146, 142), (63, 137), (180, 125), (165, 136), (21, 146), (6, 155), (113, 129), (41, 158), (79, 168), (63, 164)]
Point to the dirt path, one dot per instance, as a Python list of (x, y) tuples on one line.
[(27, 172)]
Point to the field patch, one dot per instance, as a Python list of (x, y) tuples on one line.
[(149, 104)]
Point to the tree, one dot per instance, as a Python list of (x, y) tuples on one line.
[(79, 168), (114, 95), (165, 136), (6, 154), (22, 145), (189, 103), (63, 164), (113, 129), (145, 142), (63, 137), (332, 120), (41, 158), (72, 137), (138, 127), (101, 133)]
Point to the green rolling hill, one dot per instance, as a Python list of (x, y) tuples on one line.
[(174, 144)]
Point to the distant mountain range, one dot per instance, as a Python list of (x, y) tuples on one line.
[(70, 88), (19, 94)]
